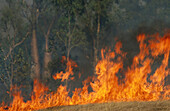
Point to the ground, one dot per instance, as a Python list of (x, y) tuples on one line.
[(120, 106)]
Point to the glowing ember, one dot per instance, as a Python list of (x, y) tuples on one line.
[(138, 85)]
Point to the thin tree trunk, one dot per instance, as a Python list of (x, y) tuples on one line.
[(67, 69), (68, 48), (95, 56), (98, 33), (96, 44), (47, 59), (11, 78), (12, 67), (47, 54)]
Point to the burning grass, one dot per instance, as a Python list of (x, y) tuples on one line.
[(141, 83)]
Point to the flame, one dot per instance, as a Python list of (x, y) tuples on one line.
[(69, 70), (139, 84)]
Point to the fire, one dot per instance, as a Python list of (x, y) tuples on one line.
[(69, 70), (141, 83)]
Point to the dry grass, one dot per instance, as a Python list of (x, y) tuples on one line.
[(121, 106)]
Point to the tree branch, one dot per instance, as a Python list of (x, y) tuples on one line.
[(17, 44), (50, 26), (60, 37)]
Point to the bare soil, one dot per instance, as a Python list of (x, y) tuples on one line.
[(116, 106)]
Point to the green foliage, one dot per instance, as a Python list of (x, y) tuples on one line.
[(14, 63), (69, 26), (118, 15), (22, 67)]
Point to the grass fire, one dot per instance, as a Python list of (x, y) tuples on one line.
[(139, 83)]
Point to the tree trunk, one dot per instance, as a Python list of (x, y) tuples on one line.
[(96, 44), (95, 56), (34, 48), (11, 78), (35, 57), (47, 59), (47, 54), (98, 34), (67, 69), (68, 48)]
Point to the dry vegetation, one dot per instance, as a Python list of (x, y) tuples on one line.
[(121, 106)]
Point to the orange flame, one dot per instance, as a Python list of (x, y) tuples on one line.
[(69, 70), (139, 83)]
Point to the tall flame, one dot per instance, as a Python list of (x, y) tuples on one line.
[(139, 84)]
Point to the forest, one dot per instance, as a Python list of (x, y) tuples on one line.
[(39, 37)]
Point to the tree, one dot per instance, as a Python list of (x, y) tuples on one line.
[(42, 16), (46, 20), (95, 17), (31, 13), (14, 34), (69, 31)]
